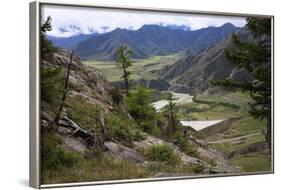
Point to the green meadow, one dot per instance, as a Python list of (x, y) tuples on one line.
[(141, 68)]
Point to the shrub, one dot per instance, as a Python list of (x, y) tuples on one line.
[(138, 136), (138, 103), (162, 153), (198, 168), (146, 125), (124, 135), (53, 155), (51, 85)]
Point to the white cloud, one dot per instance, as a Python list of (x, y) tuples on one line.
[(70, 20)]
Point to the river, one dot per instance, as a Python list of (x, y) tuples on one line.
[(184, 98), (181, 98)]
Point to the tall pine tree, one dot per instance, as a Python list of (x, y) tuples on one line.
[(170, 111), (123, 61), (47, 46), (255, 57)]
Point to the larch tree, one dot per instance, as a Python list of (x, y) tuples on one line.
[(123, 61), (170, 111), (255, 57), (47, 46)]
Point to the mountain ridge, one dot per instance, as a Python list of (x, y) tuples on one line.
[(70, 42), (191, 73), (152, 40)]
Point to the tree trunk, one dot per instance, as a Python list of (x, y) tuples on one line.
[(103, 129), (93, 138), (126, 80), (57, 118), (171, 114)]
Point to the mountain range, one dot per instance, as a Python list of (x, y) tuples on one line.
[(147, 41), (152, 40)]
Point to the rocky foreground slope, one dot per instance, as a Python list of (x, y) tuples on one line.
[(90, 107)]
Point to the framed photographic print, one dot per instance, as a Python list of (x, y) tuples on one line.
[(129, 94)]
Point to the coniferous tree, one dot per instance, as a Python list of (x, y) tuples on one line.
[(255, 57), (47, 47), (51, 77), (52, 87), (139, 107), (123, 61), (170, 111)]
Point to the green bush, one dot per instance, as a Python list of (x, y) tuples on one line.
[(138, 136), (146, 125), (53, 155), (162, 153), (124, 135), (198, 168), (138, 104), (51, 85)]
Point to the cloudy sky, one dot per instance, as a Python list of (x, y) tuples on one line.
[(69, 21)]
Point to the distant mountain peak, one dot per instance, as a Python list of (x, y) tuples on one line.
[(228, 24), (177, 27), (150, 26), (118, 30), (162, 26)]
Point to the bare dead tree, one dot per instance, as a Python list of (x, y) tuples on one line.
[(103, 128), (65, 91)]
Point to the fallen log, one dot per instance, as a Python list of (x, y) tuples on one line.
[(92, 138)]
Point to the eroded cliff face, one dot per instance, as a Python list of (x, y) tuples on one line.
[(192, 73)]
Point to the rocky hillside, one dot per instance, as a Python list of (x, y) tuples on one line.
[(192, 73), (92, 126)]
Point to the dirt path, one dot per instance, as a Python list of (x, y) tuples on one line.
[(234, 139)]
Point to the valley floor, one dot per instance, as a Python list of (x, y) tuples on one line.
[(239, 136)]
